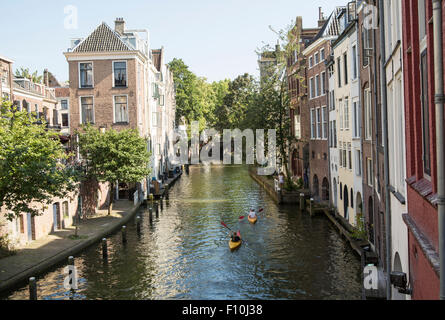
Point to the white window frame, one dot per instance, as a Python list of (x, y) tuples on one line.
[(126, 70), (78, 69), (324, 123), (80, 108), (322, 57), (323, 83), (114, 108)]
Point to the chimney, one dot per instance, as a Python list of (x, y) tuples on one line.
[(119, 26), (321, 19), (46, 77)]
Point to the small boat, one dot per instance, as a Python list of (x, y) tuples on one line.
[(235, 245), (252, 220)]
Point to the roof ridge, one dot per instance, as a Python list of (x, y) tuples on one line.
[(97, 41)]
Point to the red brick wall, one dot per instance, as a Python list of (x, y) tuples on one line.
[(424, 281), (103, 92)]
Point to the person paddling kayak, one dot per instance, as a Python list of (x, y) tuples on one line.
[(252, 214), (235, 236)]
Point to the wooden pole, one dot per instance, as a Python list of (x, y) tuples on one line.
[(32, 288)]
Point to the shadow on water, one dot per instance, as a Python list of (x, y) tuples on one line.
[(184, 253)]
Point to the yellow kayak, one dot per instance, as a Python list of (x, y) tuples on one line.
[(234, 245), (252, 220)]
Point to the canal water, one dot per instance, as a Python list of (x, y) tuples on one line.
[(184, 253)]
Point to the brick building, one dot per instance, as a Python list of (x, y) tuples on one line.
[(299, 112), (117, 82), (317, 54), (40, 101), (421, 153)]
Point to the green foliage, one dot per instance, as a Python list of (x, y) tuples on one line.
[(114, 155), (359, 232), (233, 112), (25, 73), (196, 99), (33, 164)]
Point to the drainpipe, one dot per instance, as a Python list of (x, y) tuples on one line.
[(385, 148), (439, 101)]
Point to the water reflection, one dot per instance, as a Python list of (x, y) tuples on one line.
[(184, 254)]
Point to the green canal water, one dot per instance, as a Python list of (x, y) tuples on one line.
[(184, 253)]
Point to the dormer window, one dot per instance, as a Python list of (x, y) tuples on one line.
[(120, 73)]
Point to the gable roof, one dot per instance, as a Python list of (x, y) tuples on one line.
[(331, 26), (102, 39)]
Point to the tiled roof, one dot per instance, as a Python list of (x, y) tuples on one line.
[(331, 26), (102, 39)]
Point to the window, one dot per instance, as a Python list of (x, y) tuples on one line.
[(425, 114), (325, 122), (340, 111), (339, 72), (319, 128), (64, 104), (65, 120), (312, 88), (313, 128), (87, 109), (322, 55), (358, 163), (161, 100), (349, 157), (356, 121), (86, 75), (120, 73), (55, 117), (156, 119), (341, 156), (323, 83), (317, 85), (345, 63), (354, 62), (335, 134), (120, 109), (366, 45), (311, 62), (422, 19), (370, 173), (346, 114), (317, 58), (368, 113)]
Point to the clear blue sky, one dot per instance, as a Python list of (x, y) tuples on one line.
[(216, 38)]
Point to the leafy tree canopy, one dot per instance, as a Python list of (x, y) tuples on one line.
[(33, 164)]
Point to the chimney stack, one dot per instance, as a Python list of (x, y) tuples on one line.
[(119, 26), (321, 19), (46, 77)]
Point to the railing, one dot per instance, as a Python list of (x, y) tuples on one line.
[(30, 86)]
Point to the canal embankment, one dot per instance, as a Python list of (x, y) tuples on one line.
[(41, 255), (313, 208)]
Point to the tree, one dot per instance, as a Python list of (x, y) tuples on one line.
[(25, 73), (272, 104), (114, 156), (234, 109), (33, 164)]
